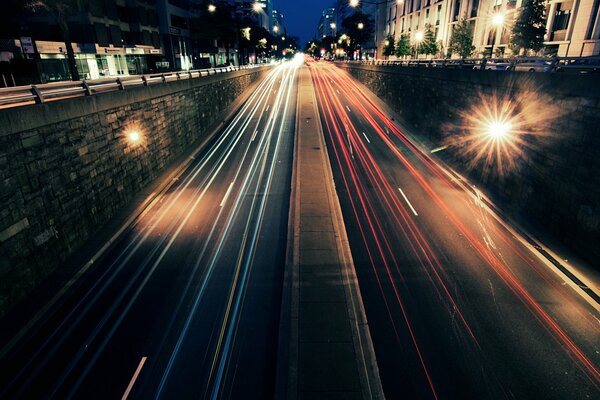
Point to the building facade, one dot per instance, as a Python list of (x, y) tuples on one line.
[(328, 23), (108, 37), (572, 26)]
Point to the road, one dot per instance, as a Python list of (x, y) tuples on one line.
[(458, 306), (186, 304)]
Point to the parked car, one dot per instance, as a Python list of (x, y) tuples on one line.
[(533, 65), (580, 65), (495, 65)]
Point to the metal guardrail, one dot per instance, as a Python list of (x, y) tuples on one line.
[(543, 64), (38, 94)]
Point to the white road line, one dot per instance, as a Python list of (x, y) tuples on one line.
[(366, 138), (254, 136), (226, 195), (268, 105), (348, 108), (408, 202), (439, 149), (134, 378)]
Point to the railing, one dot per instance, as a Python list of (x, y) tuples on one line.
[(546, 64), (38, 94)]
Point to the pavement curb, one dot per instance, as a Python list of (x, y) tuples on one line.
[(287, 369)]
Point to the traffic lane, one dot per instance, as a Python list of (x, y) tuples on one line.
[(573, 313), (544, 285), (210, 310), (435, 219), (247, 363), (117, 291), (467, 206)]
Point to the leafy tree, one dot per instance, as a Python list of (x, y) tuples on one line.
[(429, 45), (530, 26), (389, 48), (461, 42), (403, 46), (60, 10), (352, 27)]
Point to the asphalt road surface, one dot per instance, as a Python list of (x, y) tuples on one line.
[(186, 304), (458, 306)]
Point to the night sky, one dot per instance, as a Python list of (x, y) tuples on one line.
[(301, 16)]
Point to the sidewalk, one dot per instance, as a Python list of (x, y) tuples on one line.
[(325, 345)]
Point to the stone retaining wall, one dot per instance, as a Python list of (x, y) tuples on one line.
[(66, 167), (555, 183)]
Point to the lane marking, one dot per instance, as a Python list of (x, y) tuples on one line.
[(226, 195), (268, 105), (348, 108), (408, 202), (254, 136), (439, 149), (365, 135), (134, 378)]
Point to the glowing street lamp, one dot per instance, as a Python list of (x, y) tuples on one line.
[(419, 36), (257, 7), (360, 25), (275, 29), (498, 130), (497, 22), (212, 8)]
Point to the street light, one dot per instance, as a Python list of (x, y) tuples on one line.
[(498, 129), (257, 7), (360, 25), (419, 36), (275, 29), (497, 21), (212, 8)]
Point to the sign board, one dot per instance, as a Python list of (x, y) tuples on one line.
[(109, 50), (27, 45), (174, 31), (45, 47)]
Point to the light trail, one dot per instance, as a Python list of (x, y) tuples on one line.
[(177, 210), (362, 174)]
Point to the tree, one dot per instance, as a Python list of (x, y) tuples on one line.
[(403, 46), (429, 44), (359, 27), (389, 47), (60, 10), (530, 27), (461, 42)]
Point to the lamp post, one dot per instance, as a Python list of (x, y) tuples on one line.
[(497, 22)]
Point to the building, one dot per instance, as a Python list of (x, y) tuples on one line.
[(328, 23), (261, 11), (108, 38), (278, 23), (572, 26)]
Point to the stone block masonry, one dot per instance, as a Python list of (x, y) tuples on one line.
[(555, 183), (66, 167)]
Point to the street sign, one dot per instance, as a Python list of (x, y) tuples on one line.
[(27, 45)]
